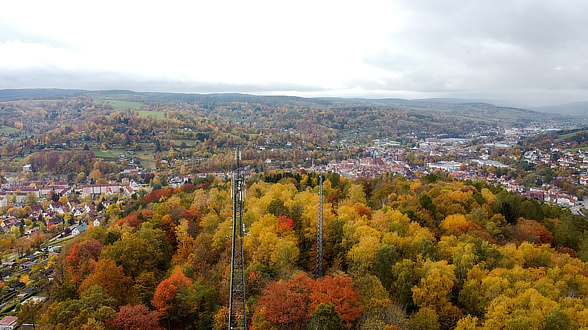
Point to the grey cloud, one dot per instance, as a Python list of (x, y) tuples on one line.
[(489, 45), (48, 77)]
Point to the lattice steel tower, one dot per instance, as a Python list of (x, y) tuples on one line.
[(237, 312), (319, 232)]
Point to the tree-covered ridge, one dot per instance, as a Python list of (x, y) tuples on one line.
[(574, 138), (422, 254), (202, 129)]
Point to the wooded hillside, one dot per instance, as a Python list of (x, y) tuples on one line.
[(432, 253)]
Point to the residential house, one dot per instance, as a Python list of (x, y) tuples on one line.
[(132, 171), (73, 202), (34, 300), (57, 207), (90, 208), (98, 221), (128, 191), (8, 323), (47, 272), (14, 287), (37, 210), (135, 185), (54, 221), (24, 189), (28, 264), (27, 291), (79, 229), (99, 189), (60, 188), (8, 223), (92, 215), (77, 211)]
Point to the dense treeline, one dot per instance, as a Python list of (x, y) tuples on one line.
[(199, 130), (62, 163), (430, 253), (574, 138)]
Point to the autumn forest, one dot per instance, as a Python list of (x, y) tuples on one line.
[(143, 180), (428, 253)]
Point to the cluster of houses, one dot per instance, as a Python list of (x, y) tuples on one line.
[(20, 292), (54, 215), (371, 167), (15, 198), (16, 194), (566, 159), (368, 167), (550, 195)]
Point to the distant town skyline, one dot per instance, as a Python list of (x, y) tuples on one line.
[(520, 52)]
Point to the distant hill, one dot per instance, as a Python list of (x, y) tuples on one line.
[(572, 109), (456, 108), (19, 94), (449, 100)]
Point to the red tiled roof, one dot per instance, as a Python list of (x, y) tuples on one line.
[(9, 320)]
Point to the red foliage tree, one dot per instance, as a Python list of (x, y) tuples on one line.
[(82, 257), (339, 292), (532, 231), (165, 295), (137, 317), (188, 188), (130, 219), (290, 305), (156, 195), (188, 214), (362, 210), (287, 304), (285, 225), (135, 219)]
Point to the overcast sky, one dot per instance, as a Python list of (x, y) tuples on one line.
[(531, 52)]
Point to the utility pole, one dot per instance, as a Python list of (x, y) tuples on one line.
[(319, 232), (237, 312)]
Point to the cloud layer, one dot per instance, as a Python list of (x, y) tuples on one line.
[(374, 48)]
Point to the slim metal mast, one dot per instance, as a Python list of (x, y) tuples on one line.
[(319, 232), (237, 312)]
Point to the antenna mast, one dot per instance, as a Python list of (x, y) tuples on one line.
[(319, 232), (237, 312)]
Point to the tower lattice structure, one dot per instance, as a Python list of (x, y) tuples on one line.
[(237, 311), (319, 232)]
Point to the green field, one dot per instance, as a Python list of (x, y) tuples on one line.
[(154, 114), (123, 105), (108, 153), (576, 149), (7, 130), (563, 136), (189, 143)]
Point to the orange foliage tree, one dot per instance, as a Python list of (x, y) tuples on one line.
[(339, 292), (111, 277), (81, 259), (135, 219), (456, 224), (165, 294), (289, 305), (137, 317), (532, 231)]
